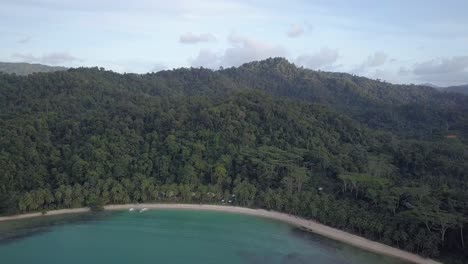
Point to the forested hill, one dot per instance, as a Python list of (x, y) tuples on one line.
[(462, 89), (409, 111), (384, 161), (22, 68)]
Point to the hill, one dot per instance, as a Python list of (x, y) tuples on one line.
[(21, 68), (463, 89), (361, 155), (407, 110)]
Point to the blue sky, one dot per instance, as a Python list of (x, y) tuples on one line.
[(399, 41)]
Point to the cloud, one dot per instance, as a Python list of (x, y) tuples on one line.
[(442, 66), (377, 59), (158, 67), (190, 38), (242, 49), (50, 58), (295, 31), (439, 72), (403, 71), (24, 40), (245, 49), (207, 59), (324, 59), (385, 75), (443, 71)]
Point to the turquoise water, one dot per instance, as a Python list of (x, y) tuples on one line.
[(169, 236)]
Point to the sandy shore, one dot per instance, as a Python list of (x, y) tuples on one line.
[(296, 221)]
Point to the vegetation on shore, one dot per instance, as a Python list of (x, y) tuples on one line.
[(361, 155)]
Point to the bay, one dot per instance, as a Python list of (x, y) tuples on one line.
[(170, 236)]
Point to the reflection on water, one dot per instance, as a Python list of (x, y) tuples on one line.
[(15, 230), (339, 250)]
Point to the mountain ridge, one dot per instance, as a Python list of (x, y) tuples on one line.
[(23, 68), (375, 159), (462, 89), (400, 109)]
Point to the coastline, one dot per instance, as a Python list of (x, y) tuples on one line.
[(309, 225)]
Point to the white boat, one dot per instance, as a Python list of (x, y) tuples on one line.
[(144, 209), (131, 209)]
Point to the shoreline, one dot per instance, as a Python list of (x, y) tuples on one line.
[(308, 225)]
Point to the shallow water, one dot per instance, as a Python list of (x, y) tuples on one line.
[(169, 236)]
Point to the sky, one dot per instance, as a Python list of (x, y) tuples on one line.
[(416, 41)]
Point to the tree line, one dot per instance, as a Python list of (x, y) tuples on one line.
[(87, 137)]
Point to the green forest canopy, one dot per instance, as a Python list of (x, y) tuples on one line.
[(364, 156)]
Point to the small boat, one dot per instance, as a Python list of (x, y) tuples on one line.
[(131, 209), (144, 209)]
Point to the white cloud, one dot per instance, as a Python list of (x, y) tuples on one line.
[(442, 66), (295, 31), (191, 38), (385, 75), (377, 59), (326, 58), (53, 58), (243, 49), (443, 71), (158, 67), (207, 59)]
